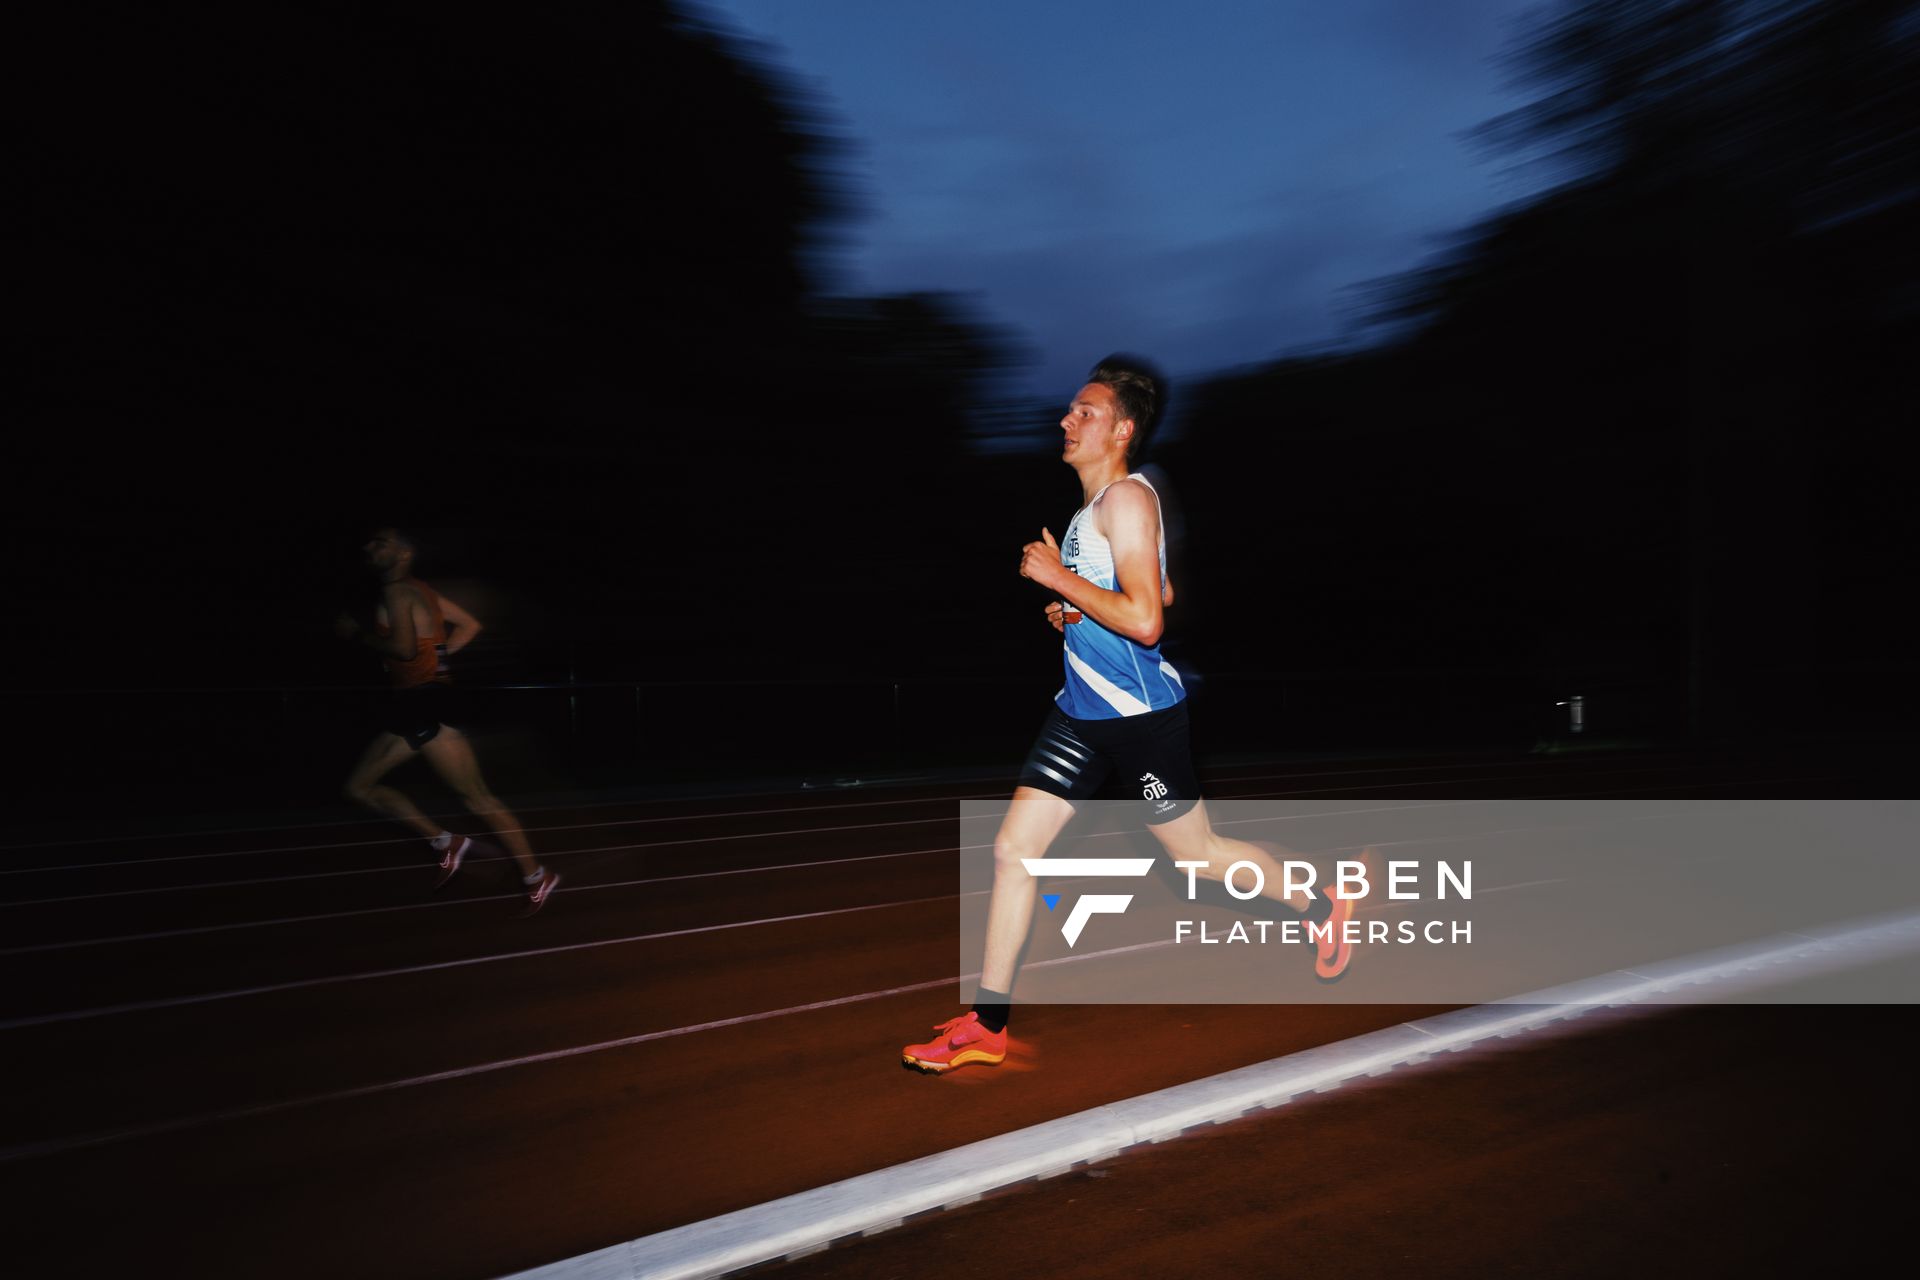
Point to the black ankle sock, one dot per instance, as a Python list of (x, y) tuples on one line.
[(1320, 910), (992, 1008)]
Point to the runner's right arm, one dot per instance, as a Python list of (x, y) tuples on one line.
[(1056, 612), (1130, 520)]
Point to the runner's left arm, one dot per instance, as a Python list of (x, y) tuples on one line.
[(462, 626)]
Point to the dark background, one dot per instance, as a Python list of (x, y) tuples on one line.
[(551, 293)]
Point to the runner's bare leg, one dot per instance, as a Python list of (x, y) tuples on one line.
[(382, 756), (1191, 838), (1033, 820), (451, 756)]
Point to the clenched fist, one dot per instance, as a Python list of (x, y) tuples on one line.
[(1040, 561)]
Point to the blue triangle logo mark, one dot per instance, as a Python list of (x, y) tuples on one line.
[(1051, 899)]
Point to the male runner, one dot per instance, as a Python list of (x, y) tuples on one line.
[(1122, 712), (415, 630)]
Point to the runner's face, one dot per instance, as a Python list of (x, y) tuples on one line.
[(384, 550), (1092, 425)]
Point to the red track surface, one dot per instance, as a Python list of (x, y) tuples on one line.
[(1705, 1142), (276, 1051)]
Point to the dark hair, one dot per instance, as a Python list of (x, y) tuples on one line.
[(1140, 388), (405, 535)]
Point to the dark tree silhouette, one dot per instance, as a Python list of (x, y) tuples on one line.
[(560, 281), (1640, 424)]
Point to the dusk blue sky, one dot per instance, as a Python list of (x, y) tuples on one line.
[(1204, 183)]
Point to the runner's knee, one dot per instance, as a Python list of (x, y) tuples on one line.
[(479, 799), (1008, 850)]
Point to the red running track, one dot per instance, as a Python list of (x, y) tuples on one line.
[(242, 1053)]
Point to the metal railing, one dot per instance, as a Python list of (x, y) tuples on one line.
[(298, 741), (897, 720)]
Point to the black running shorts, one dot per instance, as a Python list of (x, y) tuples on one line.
[(1146, 756), (417, 714)]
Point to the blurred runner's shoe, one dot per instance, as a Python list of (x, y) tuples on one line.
[(451, 858), (962, 1040), (537, 894)]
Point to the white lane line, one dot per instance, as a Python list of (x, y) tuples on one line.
[(167, 1002), (27, 1151), (873, 1202), (418, 841), (1891, 935), (1530, 766), (196, 930), (655, 844), (209, 997), (271, 922), (414, 868), (54, 1146), (938, 798), (423, 864), (1717, 784), (520, 809), (1685, 785), (617, 848)]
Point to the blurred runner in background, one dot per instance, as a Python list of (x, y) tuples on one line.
[(415, 630)]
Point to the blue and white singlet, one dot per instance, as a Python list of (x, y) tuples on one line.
[(1109, 675)]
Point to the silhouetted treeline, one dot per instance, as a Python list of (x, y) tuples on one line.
[(555, 288), (562, 291), (1650, 422)]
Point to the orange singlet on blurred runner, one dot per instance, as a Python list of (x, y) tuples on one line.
[(429, 660)]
